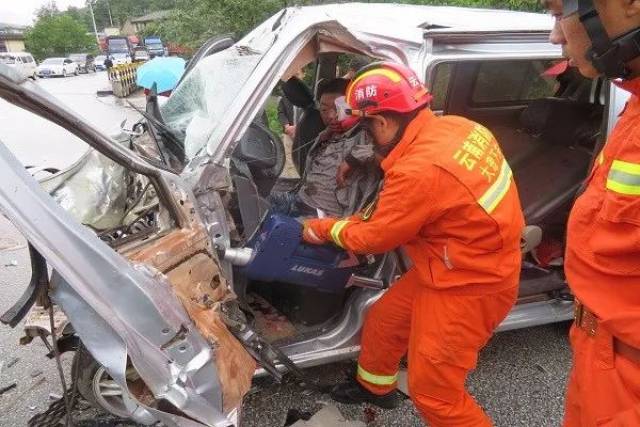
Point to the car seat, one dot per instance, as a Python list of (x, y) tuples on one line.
[(565, 132), (310, 123)]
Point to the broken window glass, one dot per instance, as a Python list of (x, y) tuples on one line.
[(200, 101)]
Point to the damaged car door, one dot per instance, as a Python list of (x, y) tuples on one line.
[(141, 296)]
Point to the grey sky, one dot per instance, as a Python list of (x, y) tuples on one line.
[(21, 12)]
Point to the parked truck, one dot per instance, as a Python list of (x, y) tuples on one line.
[(154, 46), (120, 50)]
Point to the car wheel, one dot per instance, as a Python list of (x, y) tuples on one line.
[(99, 389)]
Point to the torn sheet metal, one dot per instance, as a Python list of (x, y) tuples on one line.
[(136, 304)]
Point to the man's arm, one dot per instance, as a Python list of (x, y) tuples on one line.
[(405, 205), (361, 152), (284, 115)]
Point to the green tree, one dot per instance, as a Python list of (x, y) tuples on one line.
[(58, 35), (194, 21)]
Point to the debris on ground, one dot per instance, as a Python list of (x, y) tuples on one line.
[(370, 415), (329, 416), (5, 389), (53, 396), (6, 365), (24, 392), (13, 263), (35, 373)]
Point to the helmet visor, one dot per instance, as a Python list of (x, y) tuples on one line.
[(570, 7)]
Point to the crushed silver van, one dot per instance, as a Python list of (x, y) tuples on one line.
[(169, 276)]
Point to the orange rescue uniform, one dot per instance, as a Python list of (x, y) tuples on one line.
[(602, 265), (449, 199)]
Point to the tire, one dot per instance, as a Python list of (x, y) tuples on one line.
[(91, 378)]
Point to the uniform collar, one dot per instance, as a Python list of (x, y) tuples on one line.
[(632, 86), (413, 129)]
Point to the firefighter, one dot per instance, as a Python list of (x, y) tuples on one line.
[(602, 262), (448, 198)]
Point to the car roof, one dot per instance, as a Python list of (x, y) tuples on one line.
[(409, 22), (15, 54)]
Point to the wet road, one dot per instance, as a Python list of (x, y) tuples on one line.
[(519, 381), (35, 141)]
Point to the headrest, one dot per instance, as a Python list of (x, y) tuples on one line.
[(297, 92)]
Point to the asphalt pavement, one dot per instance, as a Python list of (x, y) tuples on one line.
[(519, 381)]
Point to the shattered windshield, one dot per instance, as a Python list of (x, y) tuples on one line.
[(198, 104)]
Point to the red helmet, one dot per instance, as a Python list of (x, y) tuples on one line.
[(386, 86)]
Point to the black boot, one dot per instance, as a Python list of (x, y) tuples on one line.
[(351, 392)]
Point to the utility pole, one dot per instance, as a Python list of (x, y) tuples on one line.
[(93, 19), (109, 10)]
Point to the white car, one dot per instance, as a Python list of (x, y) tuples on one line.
[(57, 67), (99, 62), (22, 62)]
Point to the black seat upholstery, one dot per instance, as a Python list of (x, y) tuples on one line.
[(310, 123), (550, 153)]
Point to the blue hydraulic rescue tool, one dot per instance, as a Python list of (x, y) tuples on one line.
[(278, 254)]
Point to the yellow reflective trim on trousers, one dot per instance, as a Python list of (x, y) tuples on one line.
[(376, 379), (631, 168), (628, 190), (494, 195), (624, 178), (336, 230), (601, 158)]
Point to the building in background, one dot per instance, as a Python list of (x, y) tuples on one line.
[(135, 25), (11, 37)]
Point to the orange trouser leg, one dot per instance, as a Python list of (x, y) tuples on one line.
[(385, 336), (443, 333), (604, 388), (447, 332)]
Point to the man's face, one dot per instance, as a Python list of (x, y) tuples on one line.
[(328, 110), (383, 130), (571, 34)]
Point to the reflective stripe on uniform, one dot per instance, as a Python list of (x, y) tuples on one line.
[(494, 195), (336, 230), (624, 178), (376, 379)]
